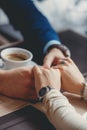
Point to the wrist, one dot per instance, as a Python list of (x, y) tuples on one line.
[(43, 91), (82, 90), (64, 49), (59, 52)]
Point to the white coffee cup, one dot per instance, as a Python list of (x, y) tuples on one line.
[(16, 57)]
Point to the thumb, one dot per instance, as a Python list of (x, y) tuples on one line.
[(36, 70), (48, 60)]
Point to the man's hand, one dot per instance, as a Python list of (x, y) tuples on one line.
[(46, 77), (52, 57), (18, 83)]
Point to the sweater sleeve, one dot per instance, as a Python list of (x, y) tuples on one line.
[(61, 113)]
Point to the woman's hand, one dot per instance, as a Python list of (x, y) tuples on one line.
[(52, 57), (72, 78), (18, 83), (46, 77)]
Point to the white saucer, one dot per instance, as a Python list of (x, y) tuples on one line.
[(31, 63)]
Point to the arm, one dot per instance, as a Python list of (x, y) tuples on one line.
[(35, 29), (25, 16), (61, 113), (58, 109)]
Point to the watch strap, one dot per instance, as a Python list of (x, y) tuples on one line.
[(43, 91)]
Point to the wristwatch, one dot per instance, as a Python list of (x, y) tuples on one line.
[(63, 48), (43, 91)]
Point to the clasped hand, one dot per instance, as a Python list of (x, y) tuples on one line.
[(21, 82), (25, 82)]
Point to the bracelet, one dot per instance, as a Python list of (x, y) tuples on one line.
[(84, 95)]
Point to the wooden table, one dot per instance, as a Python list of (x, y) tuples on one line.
[(8, 105), (20, 115)]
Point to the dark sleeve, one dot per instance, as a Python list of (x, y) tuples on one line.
[(24, 16)]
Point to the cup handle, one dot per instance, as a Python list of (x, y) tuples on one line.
[(2, 65)]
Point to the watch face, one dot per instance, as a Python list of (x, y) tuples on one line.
[(42, 91)]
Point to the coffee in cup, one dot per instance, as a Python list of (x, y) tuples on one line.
[(16, 57)]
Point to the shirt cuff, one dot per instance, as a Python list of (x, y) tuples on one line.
[(52, 42)]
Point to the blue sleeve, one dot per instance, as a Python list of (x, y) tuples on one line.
[(34, 26), (25, 16)]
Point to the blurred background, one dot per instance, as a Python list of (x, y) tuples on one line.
[(64, 14)]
